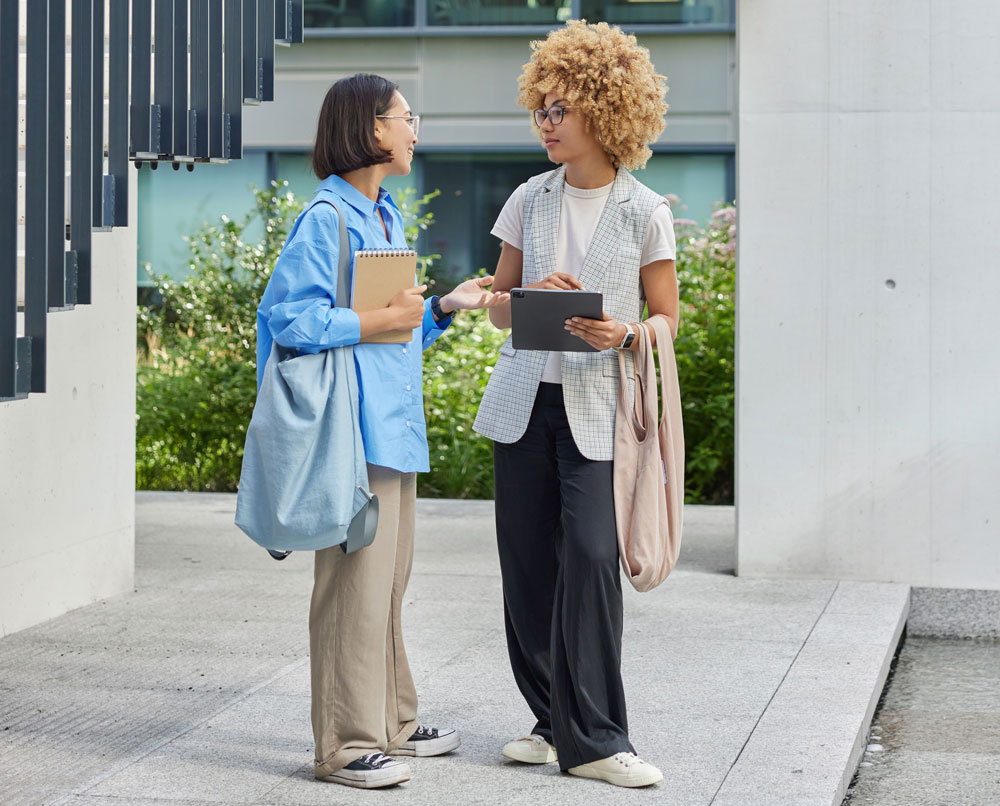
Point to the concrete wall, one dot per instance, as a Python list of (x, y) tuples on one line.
[(869, 378), (67, 473), (466, 88), (67, 480)]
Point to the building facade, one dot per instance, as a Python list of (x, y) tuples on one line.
[(457, 62)]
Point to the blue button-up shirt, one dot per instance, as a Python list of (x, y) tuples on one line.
[(298, 310)]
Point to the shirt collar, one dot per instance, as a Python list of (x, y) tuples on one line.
[(354, 197)]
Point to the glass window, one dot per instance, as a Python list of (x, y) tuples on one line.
[(173, 204), (474, 188), (358, 13), (698, 180), (497, 12), (659, 12), (296, 169)]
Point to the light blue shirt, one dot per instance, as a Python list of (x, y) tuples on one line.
[(298, 310)]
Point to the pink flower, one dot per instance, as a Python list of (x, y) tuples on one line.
[(727, 214), (681, 223)]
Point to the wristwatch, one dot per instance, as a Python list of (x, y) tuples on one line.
[(436, 309), (627, 339)]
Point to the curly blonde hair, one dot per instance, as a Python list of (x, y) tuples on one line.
[(606, 75)]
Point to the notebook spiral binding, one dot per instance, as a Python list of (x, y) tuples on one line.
[(385, 253)]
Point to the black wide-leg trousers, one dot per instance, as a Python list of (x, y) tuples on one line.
[(562, 590)]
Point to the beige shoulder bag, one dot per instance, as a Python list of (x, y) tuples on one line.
[(649, 463)]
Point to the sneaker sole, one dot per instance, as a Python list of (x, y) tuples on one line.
[(430, 747), (616, 780), (376, 779), (530, 756)]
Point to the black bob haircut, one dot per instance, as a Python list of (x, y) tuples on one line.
[(345, 140)]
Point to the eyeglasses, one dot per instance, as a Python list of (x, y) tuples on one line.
[(553, 113), (413, 121)]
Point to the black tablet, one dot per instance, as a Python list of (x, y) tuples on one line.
[(538, 318)]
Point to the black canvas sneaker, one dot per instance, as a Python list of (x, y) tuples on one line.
[(429, 742), (371, 771)]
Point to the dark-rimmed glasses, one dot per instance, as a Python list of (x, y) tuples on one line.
[(553, 113), (413, 121)]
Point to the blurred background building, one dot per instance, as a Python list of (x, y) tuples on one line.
[(457, 62)]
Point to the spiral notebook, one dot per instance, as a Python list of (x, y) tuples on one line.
[(379, 274)]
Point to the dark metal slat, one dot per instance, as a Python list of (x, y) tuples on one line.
[(198, 117), (163, 72), (265, 48), (216, 116), (97, 117), (8, 197), (81, 145), (180, 116), (116, 214), (56, 148), (251, 65), (232, 140), (141, 143), (296, 21), (281, 9), (36, 223)]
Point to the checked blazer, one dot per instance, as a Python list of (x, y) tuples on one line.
[(611, 266)]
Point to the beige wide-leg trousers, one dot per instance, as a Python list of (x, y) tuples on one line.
[(363, 698)]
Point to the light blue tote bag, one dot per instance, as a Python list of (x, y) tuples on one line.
[(304, 482)]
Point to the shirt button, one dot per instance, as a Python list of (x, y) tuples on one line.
[(407, 387), (407, 423), (404, 349)]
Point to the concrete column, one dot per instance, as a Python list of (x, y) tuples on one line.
[(868, 371)]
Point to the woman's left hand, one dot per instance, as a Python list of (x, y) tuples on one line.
[(472, 294), (601, 334)]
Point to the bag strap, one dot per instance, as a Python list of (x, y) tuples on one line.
[(343, 272), (641, 413), (343, 258), (663, 337)]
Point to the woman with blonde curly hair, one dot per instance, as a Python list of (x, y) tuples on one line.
[(597, 103)]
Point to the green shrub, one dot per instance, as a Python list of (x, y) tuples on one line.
[(456, 369), (705, 350), (197, 363), (197, 368)]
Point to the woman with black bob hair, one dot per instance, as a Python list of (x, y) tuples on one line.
[(364, 704)]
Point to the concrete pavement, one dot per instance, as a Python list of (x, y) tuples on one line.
[(195, 688)]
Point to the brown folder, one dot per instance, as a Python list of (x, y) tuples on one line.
[(380, 274)]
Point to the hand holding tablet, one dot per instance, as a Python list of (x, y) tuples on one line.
[(538, 318)]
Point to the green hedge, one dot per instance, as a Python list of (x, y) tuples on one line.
[(197, 363)]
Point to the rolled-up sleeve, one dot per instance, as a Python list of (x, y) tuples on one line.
[(302, 291)]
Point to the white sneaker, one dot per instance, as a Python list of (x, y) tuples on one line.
[(371, 771), (621, 769), (430, 742), (531, 749)]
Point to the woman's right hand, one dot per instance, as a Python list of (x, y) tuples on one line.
[(560, 280), (407, 307)]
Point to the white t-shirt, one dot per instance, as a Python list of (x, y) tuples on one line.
[(578, 218)]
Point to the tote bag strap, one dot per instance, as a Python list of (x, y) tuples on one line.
[(343, 272), (343, 259)]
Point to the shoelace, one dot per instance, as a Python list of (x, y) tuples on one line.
[(375, 760), (628, 759)]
